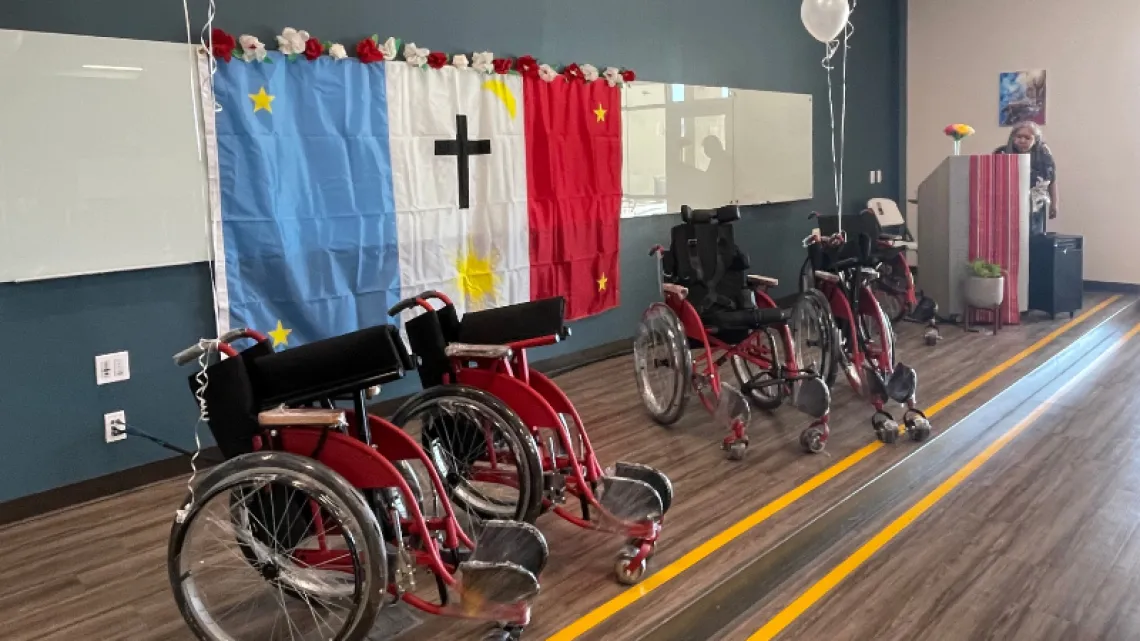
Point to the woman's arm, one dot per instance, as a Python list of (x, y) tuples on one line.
[(1053, 198)]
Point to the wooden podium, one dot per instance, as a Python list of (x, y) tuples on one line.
[(975, 207)]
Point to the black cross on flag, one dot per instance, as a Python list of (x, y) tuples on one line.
[(463, 149)]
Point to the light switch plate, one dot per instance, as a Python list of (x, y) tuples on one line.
[(112, 368)]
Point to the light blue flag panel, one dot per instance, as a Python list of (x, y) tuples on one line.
[(308, 212)]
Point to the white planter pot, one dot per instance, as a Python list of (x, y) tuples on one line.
[(985, 293)]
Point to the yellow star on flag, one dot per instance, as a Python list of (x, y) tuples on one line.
[(600, 112), (280, 335), (476, 278), (262, 100), (602, 282)]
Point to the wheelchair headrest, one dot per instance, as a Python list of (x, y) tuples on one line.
[(721, 215)]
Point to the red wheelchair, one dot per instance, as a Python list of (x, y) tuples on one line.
[(711, 304), (487, 350), (855, 335), (332, 514)]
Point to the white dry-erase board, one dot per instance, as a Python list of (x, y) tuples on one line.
[(100, 168), (711, 146)]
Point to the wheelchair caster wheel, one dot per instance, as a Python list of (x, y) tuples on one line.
[(627, 575), (633, 546), (812, 440), (504, 634), (888, 433), (919, 429), (736, 451)]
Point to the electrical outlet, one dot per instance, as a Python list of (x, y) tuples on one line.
[(112, 368), (113, 421)]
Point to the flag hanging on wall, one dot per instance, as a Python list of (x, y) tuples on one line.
[(342, 187)]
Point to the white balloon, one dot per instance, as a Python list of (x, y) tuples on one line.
[(825, 19)]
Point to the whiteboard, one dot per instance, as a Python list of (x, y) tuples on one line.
[(710, 146), (771, 147), (100, 167)]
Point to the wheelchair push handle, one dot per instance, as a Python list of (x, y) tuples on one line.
[(409, 303), (222, 344)]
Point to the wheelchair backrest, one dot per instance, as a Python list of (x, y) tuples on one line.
[(703, 257), (430, 332), (862, 232)]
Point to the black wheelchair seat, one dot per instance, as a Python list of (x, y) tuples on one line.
[(704, 258)]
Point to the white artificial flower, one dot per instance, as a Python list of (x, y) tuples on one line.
[(416, 56), (389, 48), (291, 41), (460, 61), (251, 48), (337, 51), (547, 73), (613, 76), (589, 73), (483, 61)]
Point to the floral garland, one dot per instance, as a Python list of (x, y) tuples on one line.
[(294, 43)]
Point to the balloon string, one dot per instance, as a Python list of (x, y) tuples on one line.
[(837, 159)]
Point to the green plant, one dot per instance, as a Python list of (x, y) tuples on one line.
[(982, 269)]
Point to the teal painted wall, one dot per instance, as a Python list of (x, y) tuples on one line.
[(50, 408)]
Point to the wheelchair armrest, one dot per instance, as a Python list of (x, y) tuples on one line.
[(677, 290), (762, 281), (301, 416), (464, 350), (827, 276)]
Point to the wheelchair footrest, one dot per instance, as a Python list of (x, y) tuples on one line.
[(812, 397), (512, 542), (484, 584), (903, 384), (630, 500), (655, 478)]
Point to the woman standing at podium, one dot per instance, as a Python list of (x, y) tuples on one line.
[(1025, 138)]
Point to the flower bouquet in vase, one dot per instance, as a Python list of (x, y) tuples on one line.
[(958, 132)]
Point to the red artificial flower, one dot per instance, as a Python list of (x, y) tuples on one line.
[(527, 66), (949, 130), (572, 72), (628, 75), (437, 59), (313, 48), (367, 51), (501, 65), (224, 44)]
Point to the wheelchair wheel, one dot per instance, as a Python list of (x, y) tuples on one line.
[(880, 338), (814, 336), (483, 452), (318, 568), (663, 364), (771, 396)]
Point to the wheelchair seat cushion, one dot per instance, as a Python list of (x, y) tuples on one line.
[(329, 367), (513, 323)]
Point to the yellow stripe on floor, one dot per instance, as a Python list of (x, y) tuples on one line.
[(669, 572), (825, 585)]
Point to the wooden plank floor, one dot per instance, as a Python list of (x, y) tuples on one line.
[(1041, 543), (98, 571)]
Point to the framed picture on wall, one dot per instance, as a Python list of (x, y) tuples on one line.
[(1021, 97)]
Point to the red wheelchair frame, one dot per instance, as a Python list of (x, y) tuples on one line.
[(503, 371), (367, 454), (870, 368), (716, 352)]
